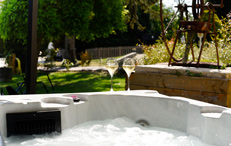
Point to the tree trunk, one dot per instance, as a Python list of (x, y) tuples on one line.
[(70, 48), (188, 46)]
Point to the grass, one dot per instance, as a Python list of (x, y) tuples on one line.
[(70, 82)]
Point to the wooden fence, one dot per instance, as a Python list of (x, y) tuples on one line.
[(97, 53)]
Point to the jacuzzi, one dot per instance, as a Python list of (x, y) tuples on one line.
[(211, 123)]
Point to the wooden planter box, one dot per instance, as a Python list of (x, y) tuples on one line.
[(208, 85), (6, 74)]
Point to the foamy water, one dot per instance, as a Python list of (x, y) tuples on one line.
[(117, 132)]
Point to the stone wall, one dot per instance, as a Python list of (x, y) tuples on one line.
[(208, 85)]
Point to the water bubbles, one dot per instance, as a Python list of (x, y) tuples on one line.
[(113, 132)]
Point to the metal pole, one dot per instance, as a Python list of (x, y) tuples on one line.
[(31, 67)]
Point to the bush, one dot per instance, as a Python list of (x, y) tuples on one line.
[(67, 63), (85, 58), (158, 53)]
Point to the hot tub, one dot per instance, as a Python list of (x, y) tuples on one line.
[(211, 123)]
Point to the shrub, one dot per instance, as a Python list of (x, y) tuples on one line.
[(67, 63), (158, 53), (85, 58)]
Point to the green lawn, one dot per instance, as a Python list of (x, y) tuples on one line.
[(70, 82)]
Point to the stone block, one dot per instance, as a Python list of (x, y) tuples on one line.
[(208, 85)]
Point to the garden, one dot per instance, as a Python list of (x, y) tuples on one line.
[(138, 20), (172, 98)]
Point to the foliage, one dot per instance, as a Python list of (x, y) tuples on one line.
[(8, 56), (158, 53), (224, 43), (191, 74), (149, 20), (218, 22), (216, 19), (85, 58), (108, 17), (146, 15), (133, 7), (14, 17), (14, 25), (50, 58), (75, 16), (167, 16), (224, 33), (51, 53), (91, 19), (67, 63), (49, 27), (86, 20)]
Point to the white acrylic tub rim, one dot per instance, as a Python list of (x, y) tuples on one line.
[(210, 122)]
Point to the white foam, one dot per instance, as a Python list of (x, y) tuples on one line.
[(117, 132)]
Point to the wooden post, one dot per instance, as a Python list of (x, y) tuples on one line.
[(32, 55)]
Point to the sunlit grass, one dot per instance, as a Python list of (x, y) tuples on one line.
[(70, 82)]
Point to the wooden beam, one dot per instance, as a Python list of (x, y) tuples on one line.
[(31, 68)]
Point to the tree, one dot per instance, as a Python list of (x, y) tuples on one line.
[(148, 21), (133, 5), (14, 25), (14, 17), (75, 20), (91, 19), (138, 10), (83, 20)]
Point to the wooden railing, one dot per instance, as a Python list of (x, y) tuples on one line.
[(97, 53)]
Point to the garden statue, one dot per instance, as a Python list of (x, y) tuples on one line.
[(191, 28)]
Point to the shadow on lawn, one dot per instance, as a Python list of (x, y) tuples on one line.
[(84, 82), (73, 82)]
